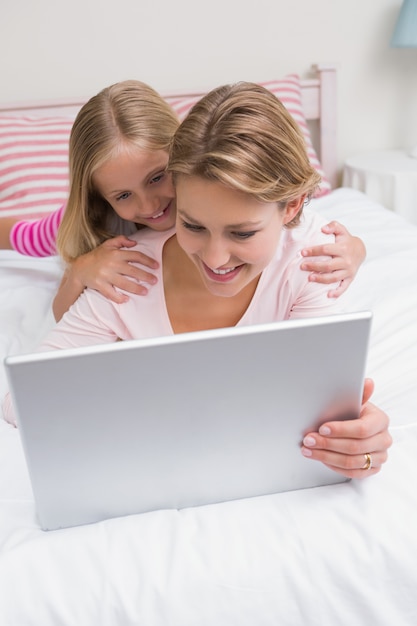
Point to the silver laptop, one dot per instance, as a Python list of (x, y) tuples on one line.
[(184, 420)]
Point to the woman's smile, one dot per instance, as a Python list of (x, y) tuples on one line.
[(222, 275), (229, 235)]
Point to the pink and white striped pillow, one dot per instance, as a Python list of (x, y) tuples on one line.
[(33, 164), (34, 153), (288, 90)]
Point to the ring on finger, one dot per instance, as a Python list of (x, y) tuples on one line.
[(368, 462)]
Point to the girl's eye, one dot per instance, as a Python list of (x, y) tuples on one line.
[(123, 196), (193, 227), (244, 235)]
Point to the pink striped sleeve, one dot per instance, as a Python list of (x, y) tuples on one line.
[(37, 238)]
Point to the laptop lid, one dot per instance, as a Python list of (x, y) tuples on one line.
[(183, 420)]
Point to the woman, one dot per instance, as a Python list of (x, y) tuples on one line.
[(242, 177), (102, 211)]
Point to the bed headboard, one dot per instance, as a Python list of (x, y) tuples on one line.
[(320, 105), (318, 98)]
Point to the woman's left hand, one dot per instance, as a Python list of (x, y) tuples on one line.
[(355, 448), (344, 258)]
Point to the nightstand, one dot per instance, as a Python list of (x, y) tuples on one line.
[(388, 177)]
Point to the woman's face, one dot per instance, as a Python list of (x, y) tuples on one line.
[(230, 236), (136, 185)]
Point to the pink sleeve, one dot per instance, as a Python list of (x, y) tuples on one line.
[(37, 238)]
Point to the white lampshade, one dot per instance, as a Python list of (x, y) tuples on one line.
[(405, 32)]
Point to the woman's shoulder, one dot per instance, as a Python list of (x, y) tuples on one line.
[(309, 230), (148, 238)]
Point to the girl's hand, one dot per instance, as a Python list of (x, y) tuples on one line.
[(346, 446), (109, 266), (345, 256), (103, 269)]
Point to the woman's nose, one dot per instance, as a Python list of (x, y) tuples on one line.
[(215, 254)]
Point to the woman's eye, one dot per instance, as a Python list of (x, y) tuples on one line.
[(157, 178), (123, 196), (244, 235), (192, 227)]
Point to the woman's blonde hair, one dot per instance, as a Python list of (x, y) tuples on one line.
[(242, 136), (126, 113)]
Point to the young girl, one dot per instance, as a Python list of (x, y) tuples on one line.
[(114, 193), (242, 177)]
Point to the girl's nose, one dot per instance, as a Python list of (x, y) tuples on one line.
[(148, 205)]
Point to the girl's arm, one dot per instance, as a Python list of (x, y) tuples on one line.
[(106, 267), (103, 269), (32, 237), (345, 256), (6, 225)]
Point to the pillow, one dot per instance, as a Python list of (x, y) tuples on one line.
[(34, 153), (33, 164), (288, 90)]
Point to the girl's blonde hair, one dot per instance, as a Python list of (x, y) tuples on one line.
[(242, 136), (128, 113)]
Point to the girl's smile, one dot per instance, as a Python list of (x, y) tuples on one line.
[(161, 216)]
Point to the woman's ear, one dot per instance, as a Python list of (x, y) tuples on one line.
[(293, 207)]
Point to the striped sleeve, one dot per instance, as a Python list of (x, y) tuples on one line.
[(37, 238)]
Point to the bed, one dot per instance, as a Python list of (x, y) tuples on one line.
[(343, 554)]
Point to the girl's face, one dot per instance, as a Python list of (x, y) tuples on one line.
[(230, 236), (138, 188)]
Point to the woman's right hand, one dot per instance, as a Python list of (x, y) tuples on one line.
[(106, 269), (356, 448)]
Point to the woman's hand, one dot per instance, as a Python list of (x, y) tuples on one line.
[(345, 256), (355, 448), (104, 269)]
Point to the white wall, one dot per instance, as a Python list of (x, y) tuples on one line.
[(51, 49)]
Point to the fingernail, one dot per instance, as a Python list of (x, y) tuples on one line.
[(324, 430), (309, 441), (306, 452)]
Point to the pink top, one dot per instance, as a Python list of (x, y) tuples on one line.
[(37, 238), (283, 292)]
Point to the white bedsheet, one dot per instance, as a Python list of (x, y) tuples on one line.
[(339, 555)]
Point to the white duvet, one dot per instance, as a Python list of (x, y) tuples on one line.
[(333, 556)]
